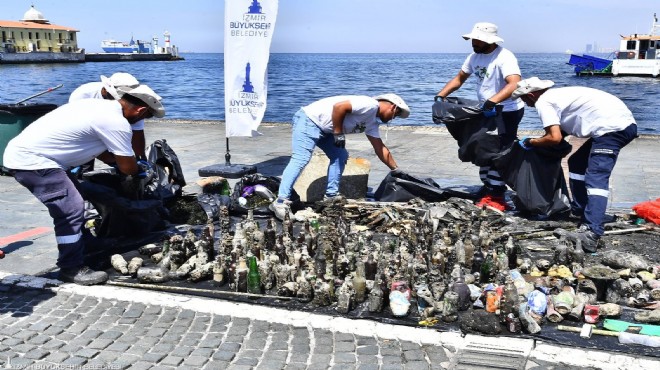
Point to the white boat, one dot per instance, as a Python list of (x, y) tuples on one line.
[(639, 54)]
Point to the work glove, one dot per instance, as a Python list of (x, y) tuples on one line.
[(525, 144), (438, 97), (488, 109), (340, 140), (144, 168)]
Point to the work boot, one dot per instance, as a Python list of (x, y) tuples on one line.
[(587, 238), (83, 275), (280, 207), (333, 198), (494, 201)]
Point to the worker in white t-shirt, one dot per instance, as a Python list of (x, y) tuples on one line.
[(586, 113), (497, 73), (111, 88), (40, 156)]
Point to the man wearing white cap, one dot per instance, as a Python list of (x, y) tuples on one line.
[(324, 124), (497, 72), (69, 136), (111, 88), (587, 113)]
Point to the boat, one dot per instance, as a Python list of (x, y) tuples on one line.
[(113, 46), (638, 55)]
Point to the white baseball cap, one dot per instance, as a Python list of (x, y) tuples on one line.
[(530, 85), (484, 31), (396, 100), (147, 95), (119, 80)]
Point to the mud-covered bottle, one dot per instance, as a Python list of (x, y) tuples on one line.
[(360, 283), (486, 269), (253, 278), (477, 260)]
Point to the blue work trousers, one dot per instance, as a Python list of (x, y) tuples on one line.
[(589, 170), (57, 192), (305, 137), (508, 130)]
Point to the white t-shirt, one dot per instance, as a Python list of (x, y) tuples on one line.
[(491, 71), (583, 111), (92, 90), (361, 119), (71, 135)]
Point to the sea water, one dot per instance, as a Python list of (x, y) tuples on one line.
[(194, 88)]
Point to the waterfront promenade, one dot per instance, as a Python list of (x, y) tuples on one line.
[(45, 323)]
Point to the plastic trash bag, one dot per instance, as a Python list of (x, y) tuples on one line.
[(537, 178), (477, 136), (168, 180), (255, 198), (399, 186)]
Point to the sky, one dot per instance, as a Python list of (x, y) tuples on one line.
[(354, 26)]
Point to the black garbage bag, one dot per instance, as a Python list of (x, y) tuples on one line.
[(477, 136), (480, 322), (121, 216), (244, 197), (167, 181), (537, 178), (399, 186)]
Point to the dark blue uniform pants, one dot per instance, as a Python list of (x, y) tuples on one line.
[(57, 192), (589, 170), (508, 131)]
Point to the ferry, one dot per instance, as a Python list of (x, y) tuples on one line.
[(113, 46), (638, 55)]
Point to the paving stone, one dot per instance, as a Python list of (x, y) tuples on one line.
[(367, 359), (318, 366), (415, 365), (367, 350), (141, 365), (414, 355), (57, 357), (343, 337), (108, 356), (276, 355), (182, 351), (271, 365), (100, 343), (138, 349), (391, 360), (210, 343), (368, 366), (248, 361), (91, 334), (225, 356), (53, 330), (74, 361), (203, 352), (118, 346), (344, 358), (343, 367), (298, 357), (12, 341), (86, 353), (25, 334), (37, 354), (23, 348), (171, 361), (153, 357), (196, 361), (156, 332), (296, 366), (216, 365), (279, 344), (345, 347), (111, 334), (232, 347)]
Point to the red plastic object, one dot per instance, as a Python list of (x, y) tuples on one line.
[(649, 210)]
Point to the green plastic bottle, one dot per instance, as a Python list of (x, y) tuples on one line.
[(253, 280)]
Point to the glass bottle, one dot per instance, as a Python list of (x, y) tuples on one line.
[(486, 269), (253, 278), (360, 284)]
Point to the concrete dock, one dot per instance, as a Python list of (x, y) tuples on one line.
[(44, 322)]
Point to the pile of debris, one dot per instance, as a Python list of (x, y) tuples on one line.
[(419, 260)]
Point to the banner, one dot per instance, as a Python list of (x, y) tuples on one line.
[(249, 26)]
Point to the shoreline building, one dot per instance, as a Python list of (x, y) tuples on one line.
[(34, 39)]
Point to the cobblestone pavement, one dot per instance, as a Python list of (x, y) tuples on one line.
[(117, 328)]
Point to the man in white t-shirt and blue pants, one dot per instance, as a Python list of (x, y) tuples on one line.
[(497, 73), (324, 124), (586, 113), (40, 156)]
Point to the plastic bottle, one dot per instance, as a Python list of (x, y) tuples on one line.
[(645, 340), (253, 278)]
